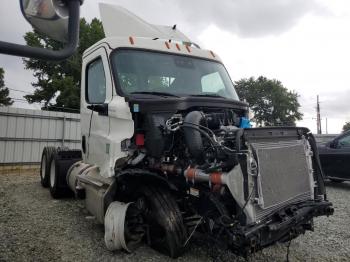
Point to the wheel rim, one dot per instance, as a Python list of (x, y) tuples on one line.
[(52, 174), (43, 168)]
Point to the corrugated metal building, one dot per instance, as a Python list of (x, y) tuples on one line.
[(25, 132)]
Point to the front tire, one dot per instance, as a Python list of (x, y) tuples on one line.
[(167, 231)]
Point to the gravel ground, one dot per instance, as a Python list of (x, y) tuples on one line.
[(34, 227)]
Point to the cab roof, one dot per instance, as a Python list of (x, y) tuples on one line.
[(160, 45), (124, 29)]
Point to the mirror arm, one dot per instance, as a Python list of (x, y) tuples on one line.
[(41, 53)]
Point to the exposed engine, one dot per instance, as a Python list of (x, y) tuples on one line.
[(240, 185)]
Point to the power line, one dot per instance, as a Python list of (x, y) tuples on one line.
[(9, 83), (22, 91)]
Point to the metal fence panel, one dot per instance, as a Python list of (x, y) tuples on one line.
[(25, 132)]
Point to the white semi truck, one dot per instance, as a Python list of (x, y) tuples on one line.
[(166, 150)]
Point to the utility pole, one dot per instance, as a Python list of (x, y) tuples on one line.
[(319, 128), (326, 125)]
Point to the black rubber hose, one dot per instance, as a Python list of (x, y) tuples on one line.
[(192, 136), (239, 134), (320, 175)]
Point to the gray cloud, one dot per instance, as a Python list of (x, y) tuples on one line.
[(12, 28), (336, 104), (12, 23), (250, 18), (246, 18)]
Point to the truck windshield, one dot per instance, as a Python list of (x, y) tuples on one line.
[(144, 72)]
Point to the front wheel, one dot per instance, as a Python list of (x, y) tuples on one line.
[(167, 232)]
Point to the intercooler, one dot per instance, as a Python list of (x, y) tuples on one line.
[(284, 174), (279, 174)]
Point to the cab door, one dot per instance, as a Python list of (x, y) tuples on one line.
[(95, 97)]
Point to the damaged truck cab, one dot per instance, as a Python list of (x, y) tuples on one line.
[(166, 150), (165, 153)]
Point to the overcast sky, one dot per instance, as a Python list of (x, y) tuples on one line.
[(304, 44)]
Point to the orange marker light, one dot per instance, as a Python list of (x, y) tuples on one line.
[(188, 48), (167, 45), (131, 40), (178, 47), (212, 53)]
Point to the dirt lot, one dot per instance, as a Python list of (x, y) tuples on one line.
[(34, 227)]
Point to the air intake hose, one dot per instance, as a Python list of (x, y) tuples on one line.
[(192, 135)]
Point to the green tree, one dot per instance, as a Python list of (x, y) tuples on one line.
[(5, 100), (60, 78), (346, 126), (270, 101)]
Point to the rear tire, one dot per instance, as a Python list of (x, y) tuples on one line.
[(46, 158), (167, 231), (54, 190), (57, 179)]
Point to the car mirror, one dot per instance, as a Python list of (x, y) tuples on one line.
[(49, 17), (57, 19)]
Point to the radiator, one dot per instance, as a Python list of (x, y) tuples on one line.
[(284, 174)]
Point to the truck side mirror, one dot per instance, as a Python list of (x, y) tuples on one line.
[(57, 19), (47, 16)]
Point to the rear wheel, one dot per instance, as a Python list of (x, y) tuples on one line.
[(57, 178), (54, 190), (46, 158), (167, 232)]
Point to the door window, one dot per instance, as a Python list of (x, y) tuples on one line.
[(96, 82), (344, 141)]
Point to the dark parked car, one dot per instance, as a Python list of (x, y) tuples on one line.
[(335, 157)]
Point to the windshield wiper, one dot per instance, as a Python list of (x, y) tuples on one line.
[(163, 94), (209, 95)]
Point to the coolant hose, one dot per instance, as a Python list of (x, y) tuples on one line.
[(192, 136)]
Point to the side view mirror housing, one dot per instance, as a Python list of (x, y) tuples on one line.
[(50, 17), (58, 19)]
